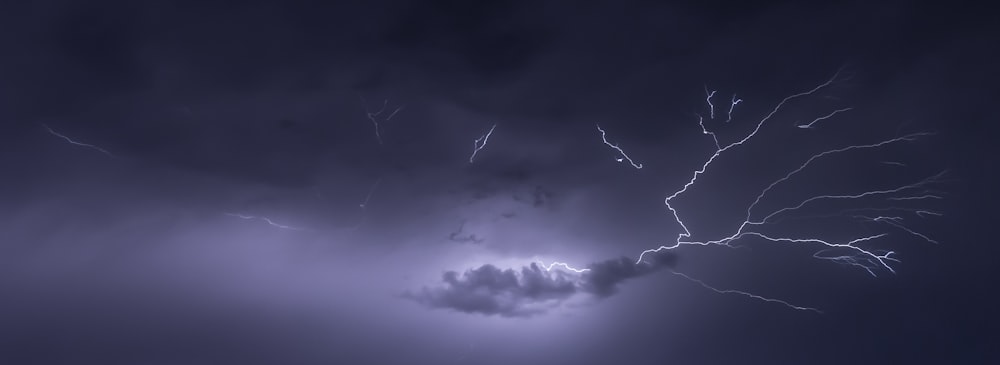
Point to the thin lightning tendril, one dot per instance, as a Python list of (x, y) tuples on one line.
[(738, 292), (364, 203), (76, 143), (910, 137), (480, 143), (708, 99), (895, 222), (732, 105), (616, 148), (266, 220), (701, 122), (825, 117), (373, 116)]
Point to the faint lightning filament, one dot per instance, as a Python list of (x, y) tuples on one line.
[(364, 203), (828, 116), (76, 143), (266, 220), (374, 116), (616, 148), (480, 143)]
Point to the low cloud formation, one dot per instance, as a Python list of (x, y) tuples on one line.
[(603, 278), (532, 289)]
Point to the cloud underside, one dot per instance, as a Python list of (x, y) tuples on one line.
[(532, 290)]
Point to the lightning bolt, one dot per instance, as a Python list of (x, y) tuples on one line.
[(76, 143), (549, 267), (265, 219), (616, 148), (480, 143), (732, 105), (921, 213), (825, 117), (694, 178), (708, 99), (852, 252), (704, 130), (743, 293), (855, 251), (895, 222), (919, 197), (374, 116)]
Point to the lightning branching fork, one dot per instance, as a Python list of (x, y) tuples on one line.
[(376, 116), (853, 252), (480, 143)]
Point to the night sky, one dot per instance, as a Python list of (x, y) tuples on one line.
[(196, 182)]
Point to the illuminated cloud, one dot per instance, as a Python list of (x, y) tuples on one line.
[(532, 290)]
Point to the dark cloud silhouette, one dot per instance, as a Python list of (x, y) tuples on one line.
[(603, 278), (490, 290), (532, 290)]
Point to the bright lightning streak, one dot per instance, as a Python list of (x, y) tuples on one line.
[(75, 143), (828, 116), (718, 152), (265, 219), (616, 148), (708, 99), (732, 105), (743, 293), (564, 265), (480, 143), (704, 130), (869, 259)]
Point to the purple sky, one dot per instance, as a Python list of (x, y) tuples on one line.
[(153, 249)]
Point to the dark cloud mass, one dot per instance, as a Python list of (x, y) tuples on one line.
[(532, 290), (489, 290)]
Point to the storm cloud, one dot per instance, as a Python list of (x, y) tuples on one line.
[(531, 290), (216, 113)]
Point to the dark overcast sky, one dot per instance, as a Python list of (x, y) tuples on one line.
[(195, 124)]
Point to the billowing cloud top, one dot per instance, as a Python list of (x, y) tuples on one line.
[(531, 290)]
